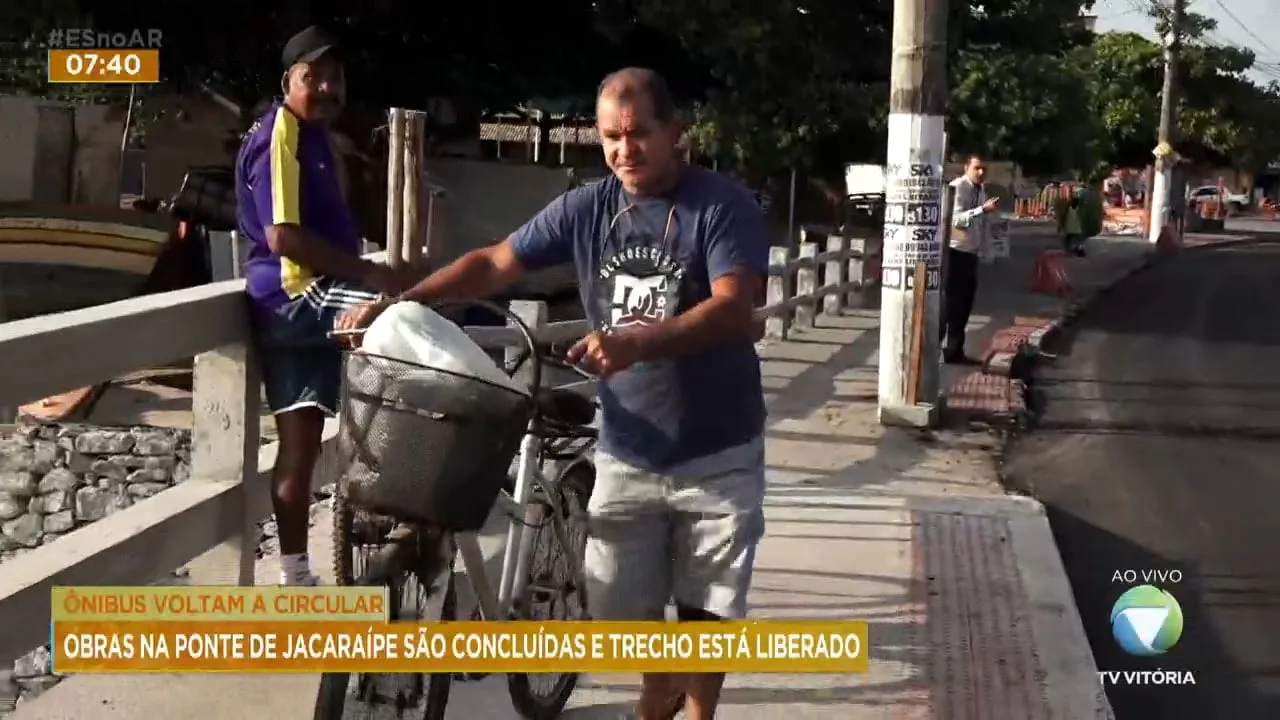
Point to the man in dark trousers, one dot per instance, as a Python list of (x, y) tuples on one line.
[(970, 230)]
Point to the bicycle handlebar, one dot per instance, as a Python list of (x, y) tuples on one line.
[(556, 361)]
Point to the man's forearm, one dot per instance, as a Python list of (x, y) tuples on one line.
[(316, 254), (964, 217), (473, 275), (712, 322)]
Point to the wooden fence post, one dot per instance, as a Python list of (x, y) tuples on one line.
[(778, 290), (807, 284), (226, 435), (836, 274), (395, 187), (413, 219)]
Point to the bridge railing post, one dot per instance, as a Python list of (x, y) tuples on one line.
[(807, 285), (225, 438), (778, 290), (836, 273)]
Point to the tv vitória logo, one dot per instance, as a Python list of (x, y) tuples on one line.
[(1146, 620)]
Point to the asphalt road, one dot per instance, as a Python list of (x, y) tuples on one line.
[(1158, 450)]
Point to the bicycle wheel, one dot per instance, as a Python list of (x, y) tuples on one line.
[(416, 565), (553, 593)]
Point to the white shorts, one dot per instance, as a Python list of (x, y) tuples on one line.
[(688, 535)]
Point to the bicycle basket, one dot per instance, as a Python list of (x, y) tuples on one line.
[(433, 446)]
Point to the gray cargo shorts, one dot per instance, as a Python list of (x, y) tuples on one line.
[(686, 535)]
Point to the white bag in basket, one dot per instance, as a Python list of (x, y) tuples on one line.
[(414, 333)]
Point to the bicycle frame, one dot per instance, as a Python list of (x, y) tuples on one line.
[(517, 554)]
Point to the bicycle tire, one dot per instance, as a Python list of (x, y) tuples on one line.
[(331, 699), (343, 526), (575, 483), (396, 557)]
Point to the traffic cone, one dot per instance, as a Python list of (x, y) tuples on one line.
[(1049, 276), (1168, 241)]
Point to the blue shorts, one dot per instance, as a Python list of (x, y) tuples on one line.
[(301, 365)]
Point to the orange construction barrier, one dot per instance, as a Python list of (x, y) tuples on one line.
[(1169, 240), (1049, 276)]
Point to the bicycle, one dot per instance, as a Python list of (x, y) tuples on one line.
[(419, 546)]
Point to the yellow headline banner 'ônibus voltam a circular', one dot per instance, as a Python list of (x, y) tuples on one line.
[(195, 604), (523, 647)]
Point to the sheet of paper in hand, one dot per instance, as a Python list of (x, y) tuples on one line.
[(997, 245)]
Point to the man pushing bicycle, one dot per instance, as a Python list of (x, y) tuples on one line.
[(671, 261)]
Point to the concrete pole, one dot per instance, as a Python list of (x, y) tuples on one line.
[(910, 361), (395, 187), (1162, 185)]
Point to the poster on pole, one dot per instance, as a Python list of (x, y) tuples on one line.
[(913, 188)]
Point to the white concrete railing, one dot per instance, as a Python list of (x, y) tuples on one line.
[(818, 279), (206, 523)]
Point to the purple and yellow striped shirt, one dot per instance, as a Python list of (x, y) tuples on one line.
[(286, 174)]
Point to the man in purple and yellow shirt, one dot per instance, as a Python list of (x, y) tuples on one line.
[(303, 268)]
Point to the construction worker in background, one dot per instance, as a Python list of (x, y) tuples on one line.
[(1071, 229)]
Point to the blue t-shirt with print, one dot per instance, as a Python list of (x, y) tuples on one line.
[(640, 261)]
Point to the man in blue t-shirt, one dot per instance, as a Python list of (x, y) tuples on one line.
[(671, 261)]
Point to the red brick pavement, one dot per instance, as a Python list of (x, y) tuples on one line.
[(989, 393)]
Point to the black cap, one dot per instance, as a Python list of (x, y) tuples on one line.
[(307, 46)]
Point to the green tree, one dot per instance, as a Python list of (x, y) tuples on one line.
[(1015, 93), (808, 86), (1223, 116), (1029, 108), (783, 77)]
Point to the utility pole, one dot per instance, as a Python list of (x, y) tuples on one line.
[(1162, 200), (914, 225)]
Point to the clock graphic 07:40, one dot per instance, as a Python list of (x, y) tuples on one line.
[(104, 66)]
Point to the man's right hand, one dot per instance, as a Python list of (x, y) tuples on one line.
[(359, 318), (991, 204)]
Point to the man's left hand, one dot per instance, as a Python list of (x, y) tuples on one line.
[(604, 354)]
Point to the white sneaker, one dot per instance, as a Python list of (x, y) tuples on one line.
[(306, 580)]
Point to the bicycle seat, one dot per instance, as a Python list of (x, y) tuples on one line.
[(566, 406)]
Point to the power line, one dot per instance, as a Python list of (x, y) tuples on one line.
[(1244, 27)]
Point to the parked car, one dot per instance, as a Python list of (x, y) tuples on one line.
[(1235, 201)]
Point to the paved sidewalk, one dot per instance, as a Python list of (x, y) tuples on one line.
[(971, 616)]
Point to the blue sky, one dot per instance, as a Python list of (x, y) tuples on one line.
[(1248, 23)]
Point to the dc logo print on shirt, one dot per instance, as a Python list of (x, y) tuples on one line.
[(641, 286)]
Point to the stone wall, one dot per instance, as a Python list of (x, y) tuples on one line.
[(55, 478)]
